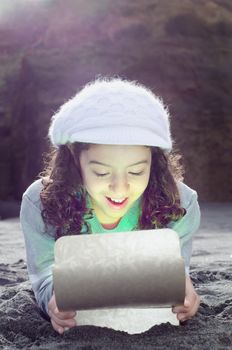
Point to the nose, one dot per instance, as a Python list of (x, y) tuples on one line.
[(119, 185)]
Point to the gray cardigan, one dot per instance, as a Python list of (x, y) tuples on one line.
[(40, 242)]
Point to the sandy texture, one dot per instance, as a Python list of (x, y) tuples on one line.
[(22, 326)]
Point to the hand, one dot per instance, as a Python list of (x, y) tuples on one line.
[(191, 303), (60, 320)]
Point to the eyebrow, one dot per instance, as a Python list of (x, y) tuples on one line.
[(100, 163)]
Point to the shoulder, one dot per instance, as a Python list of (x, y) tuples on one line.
[(31, 210), (32, 193), (187, 194), (189, 223)]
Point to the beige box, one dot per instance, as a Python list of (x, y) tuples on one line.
[(126, 280)]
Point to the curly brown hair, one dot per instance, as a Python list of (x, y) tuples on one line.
[(64, 197)]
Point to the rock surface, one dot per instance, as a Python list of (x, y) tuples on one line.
[(180, 49)]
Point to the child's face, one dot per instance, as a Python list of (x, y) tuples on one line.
[(115, 176)]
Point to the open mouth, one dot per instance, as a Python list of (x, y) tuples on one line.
[(117, 203)]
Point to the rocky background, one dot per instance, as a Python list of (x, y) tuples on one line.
[(182, 49)]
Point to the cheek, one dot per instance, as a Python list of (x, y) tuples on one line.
[(93, 186), (87, 179), (148, 178), (140, 186), (84, 178), (145, 182)]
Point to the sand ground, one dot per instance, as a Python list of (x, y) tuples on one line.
[(22, 326)]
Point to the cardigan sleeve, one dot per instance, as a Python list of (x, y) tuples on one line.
[(189, 223), (39, 245)]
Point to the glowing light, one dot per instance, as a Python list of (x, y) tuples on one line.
[(10, 9)]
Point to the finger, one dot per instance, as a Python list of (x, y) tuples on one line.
[(59, 328), (64, 315), (61, 318), (195, 307), (52, 307), (187, 303), (56, 327), (71, 322), (182, 317), (178, 309), (61, 315), (182, 308), (189, 312)]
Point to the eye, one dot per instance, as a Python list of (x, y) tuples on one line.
[(100, 174), (136, 174)]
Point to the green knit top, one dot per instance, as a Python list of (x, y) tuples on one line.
[(127, 223)]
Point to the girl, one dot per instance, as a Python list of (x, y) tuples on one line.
[(111, 170)]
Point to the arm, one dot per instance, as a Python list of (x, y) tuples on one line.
[(39, 252), (191, 302), (40, 259), (189, 224), (186, 227)]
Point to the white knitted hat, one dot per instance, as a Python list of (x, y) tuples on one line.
[(116, 112)]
